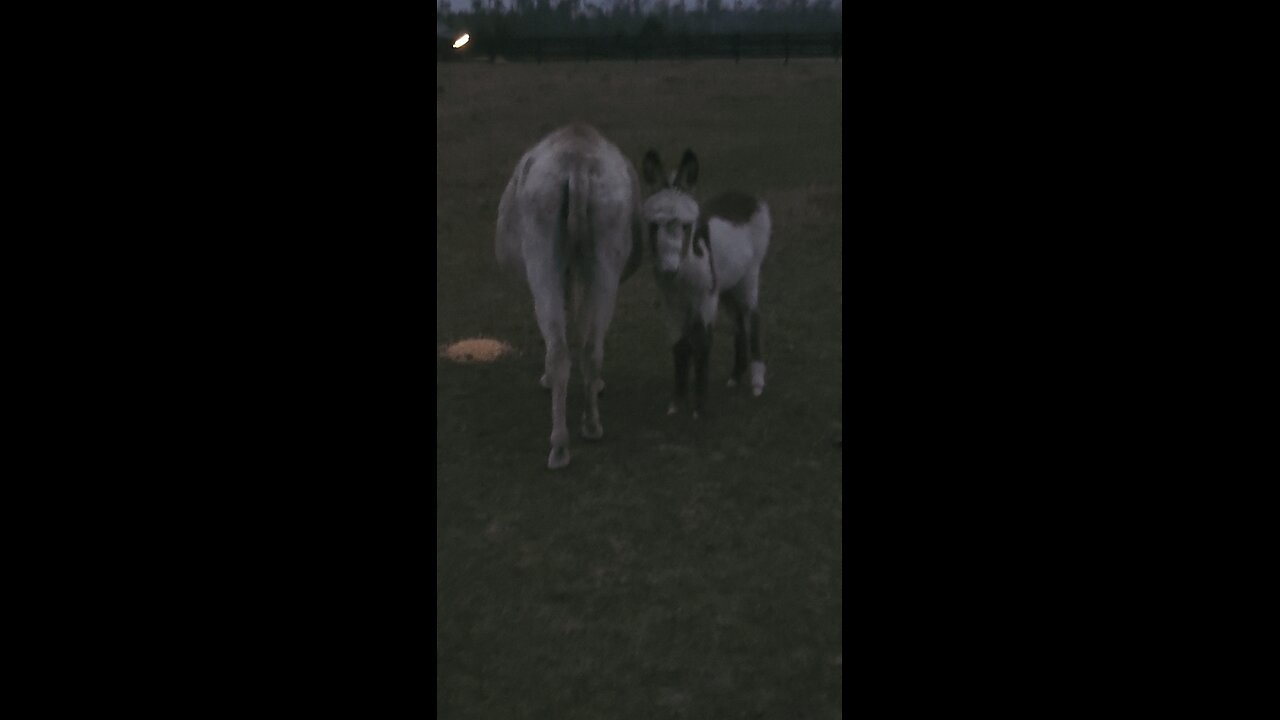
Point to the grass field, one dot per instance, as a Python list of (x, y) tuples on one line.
[(677, 568)]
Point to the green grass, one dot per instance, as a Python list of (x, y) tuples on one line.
[(677, 568)]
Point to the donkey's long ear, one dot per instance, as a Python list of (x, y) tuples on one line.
[(651, 169), (687, 175)]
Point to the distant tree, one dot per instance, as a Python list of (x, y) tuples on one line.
[(596, 18), (679, 16)]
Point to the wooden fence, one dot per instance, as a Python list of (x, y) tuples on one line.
[(621, 47)]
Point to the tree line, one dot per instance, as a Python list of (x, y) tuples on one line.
[(547, 18)]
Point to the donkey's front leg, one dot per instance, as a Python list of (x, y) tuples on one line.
[(700, 336), (681, 352)]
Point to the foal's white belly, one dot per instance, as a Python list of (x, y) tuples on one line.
[(737, 251)]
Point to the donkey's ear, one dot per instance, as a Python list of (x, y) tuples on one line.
[(651, 170), (687, 175)]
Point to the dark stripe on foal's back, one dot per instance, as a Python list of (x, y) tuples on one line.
[(733, 206)]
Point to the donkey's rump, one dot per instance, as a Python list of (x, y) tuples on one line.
[(570, 190), (507, 239)]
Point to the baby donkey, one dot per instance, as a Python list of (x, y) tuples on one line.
[(702, 254)]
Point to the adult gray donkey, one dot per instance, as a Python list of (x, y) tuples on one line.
[(569, 223)]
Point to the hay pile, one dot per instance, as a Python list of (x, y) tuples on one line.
[(476, 350)]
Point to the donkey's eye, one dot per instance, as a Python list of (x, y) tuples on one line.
[(687, 226), (653, 228)]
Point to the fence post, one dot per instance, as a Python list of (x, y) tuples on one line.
[(537, 50), (786, 48), (835, 45), (586, 48), (737, 47)]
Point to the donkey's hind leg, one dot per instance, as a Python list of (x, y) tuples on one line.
[(739, 339), (748, 295), (548, 304), (596, 314), (545, 379), (757, 359)]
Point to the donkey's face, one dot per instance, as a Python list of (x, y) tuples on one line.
[(670, 212)]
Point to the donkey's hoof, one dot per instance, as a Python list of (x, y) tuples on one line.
[(732, 383), (558, 458), (590, 431), (544, 382), (757, 390), (673, 408)]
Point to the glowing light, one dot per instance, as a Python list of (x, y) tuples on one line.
[(462, 40)]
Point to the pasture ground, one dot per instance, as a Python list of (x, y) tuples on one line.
[(677, 568)]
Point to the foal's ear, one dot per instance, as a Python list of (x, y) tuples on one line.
[(687, 175), (651, 170)]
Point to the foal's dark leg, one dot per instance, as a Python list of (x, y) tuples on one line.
[(681, 352), (737, 310), (701, 336), (739, 347), (757, 360)]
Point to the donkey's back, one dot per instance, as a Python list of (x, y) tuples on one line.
[(569, 223)]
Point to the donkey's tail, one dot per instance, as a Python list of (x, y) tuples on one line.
[(577, 223)]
